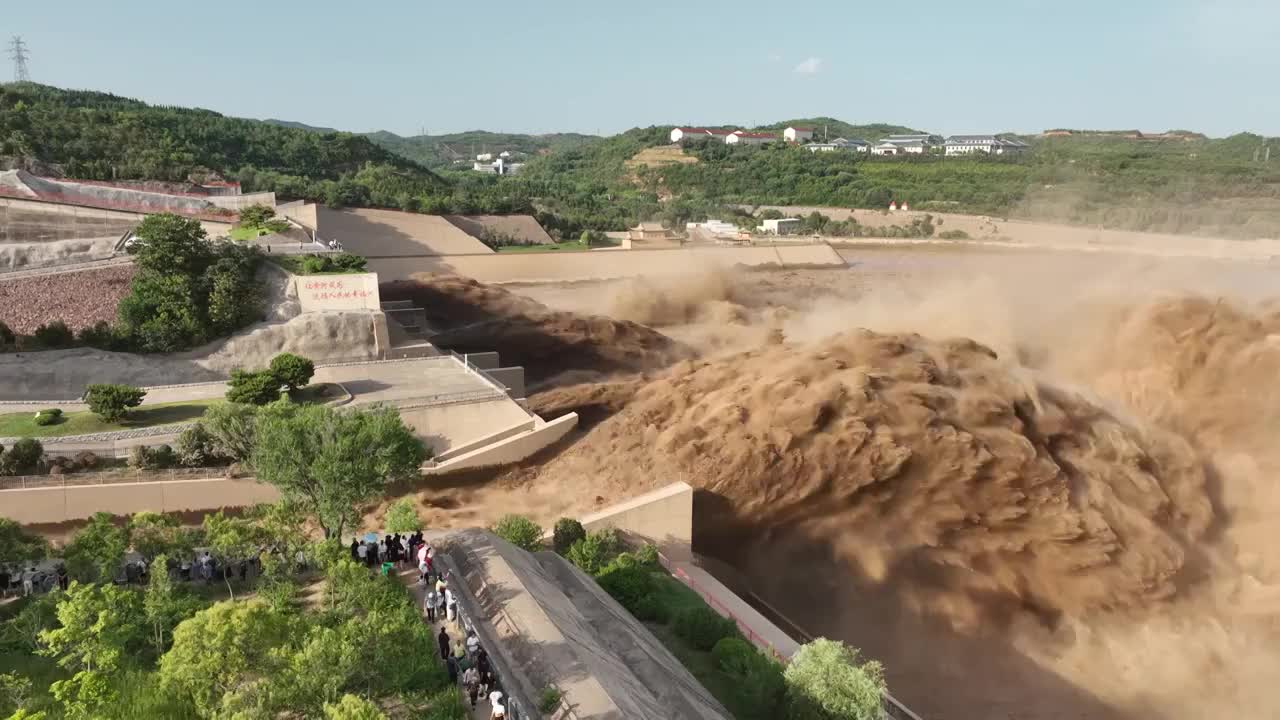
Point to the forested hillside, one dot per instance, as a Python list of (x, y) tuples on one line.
[(443, 150), (98, 136)]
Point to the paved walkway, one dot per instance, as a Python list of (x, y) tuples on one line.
[(409, 576)]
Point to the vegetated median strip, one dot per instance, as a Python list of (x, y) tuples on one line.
[(165, 416)]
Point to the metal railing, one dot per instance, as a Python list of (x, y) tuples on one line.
[(109, 477)]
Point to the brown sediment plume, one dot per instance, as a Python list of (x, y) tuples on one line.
[(468, 316)]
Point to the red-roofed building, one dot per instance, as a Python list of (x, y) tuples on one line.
[(682, 134), (797, 134), (742, 137)]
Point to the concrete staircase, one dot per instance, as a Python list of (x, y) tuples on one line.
[(408, 330)]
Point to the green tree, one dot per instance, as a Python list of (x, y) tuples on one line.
[(112, 402), (256, 215), (17, 546), (169, 244), (196, 447), (23, 457), (235, 296), (826, 681), (294, 371), (15, 692), (99, 626), (152, 534), (330, 461), (97, 550), (257, 387), (164, 604), (519, 531), (233, 429), (567, 532), (401, 517), (230, 539), (351, 707), (222, 648), (594, 551), (163, 312)]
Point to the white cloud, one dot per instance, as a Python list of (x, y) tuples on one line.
[(810, 66)]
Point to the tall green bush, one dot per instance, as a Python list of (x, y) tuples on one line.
[(258, 387), (294, 371), (594, 551), (826, 681), (702, 627), (567, 532), (519, 531), (402, 517), (112, 402)]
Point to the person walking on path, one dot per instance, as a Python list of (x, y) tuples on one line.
[(450, 605), (431, 602), (471, 681), (496, 710), (452, 666), (444, 644), (473, 644)]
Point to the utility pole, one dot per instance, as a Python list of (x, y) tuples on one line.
[(19, 54)]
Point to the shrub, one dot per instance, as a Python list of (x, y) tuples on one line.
[(294, 371), (159, 457), (519, 531), (567, 532), (647, 555), (253, 388), (703, 627), (195, 447), (86, 460), (734, 655), (23, 457), (7, 337), (953, 234), (825, 680), (594, 551), (627, 583), (401, 517), (650, 609), (549, 700), (54, 335), (100, 335), (112, 402), (48, 416), (232, 427), (341, 262)]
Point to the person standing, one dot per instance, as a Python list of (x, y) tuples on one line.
[(452, 666), (450, 605), (471, 681), (355, 550), (444, 644), (473, 644), (29, 582), (431, 602), (362, 554), (496, 710), (63, 580)]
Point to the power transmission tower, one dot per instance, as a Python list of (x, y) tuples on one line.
[(18, 53)]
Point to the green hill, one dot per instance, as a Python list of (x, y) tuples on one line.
[(461, 148), (99, 136), (833, 128)]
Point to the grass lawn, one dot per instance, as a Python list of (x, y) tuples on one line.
[(316, 393), (84, 422), (244, 234)]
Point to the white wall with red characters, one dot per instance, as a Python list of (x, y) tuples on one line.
[(319, 293)]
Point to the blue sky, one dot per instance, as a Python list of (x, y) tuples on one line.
[(604, 66)]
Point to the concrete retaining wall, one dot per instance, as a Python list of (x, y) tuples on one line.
[(663, 517), (561, 267), (512, 449), (302, 213), (445, 427), (79, 502), (240, 202)]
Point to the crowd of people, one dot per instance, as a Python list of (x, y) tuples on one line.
[(32, 579)]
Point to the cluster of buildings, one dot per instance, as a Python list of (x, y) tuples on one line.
[(504, 163), (914, 144)]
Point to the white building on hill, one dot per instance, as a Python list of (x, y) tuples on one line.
[(797, 134), (989, 144), (742, 137), (854, 145), (682, 134), (916, 144)]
